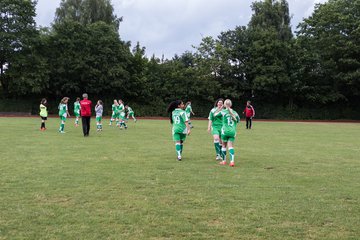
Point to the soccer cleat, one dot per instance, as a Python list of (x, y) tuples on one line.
[(222, 163), (232, 164), (218, 158), (179, 158), (61, 132)]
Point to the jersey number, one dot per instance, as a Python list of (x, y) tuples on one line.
[(176, 119), (230, 122)]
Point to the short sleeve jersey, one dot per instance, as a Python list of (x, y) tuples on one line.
[(114, 108), (130, 110), (77, 107), (228, 123), (188, 109), (215, 117), (43, 110), (179, 118), (62, 109)]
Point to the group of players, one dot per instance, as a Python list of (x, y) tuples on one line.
[(222, 125), (120, 113), (222, 122)]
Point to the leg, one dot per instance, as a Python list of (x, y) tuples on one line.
[(223, 151), (88, 125), (250, 121), (84, 126), (232, 153), (217, 146)]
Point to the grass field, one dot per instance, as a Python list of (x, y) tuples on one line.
[(291, 181)]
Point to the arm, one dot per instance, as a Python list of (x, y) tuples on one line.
[(187, 128), (209, 126), (253, 111)]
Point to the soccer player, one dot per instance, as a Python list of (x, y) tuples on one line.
[(122, 115), (77, 111), (189, 111), (249, 114), (228, 131), (115, 111), (99, 111), (215, 124), (180, 125), (43, 113), (130, 113), (63, 113)]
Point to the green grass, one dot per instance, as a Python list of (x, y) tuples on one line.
[(291, 181)]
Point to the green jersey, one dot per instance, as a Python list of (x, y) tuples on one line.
[(62, 109), (114, 108), (43, 110), (77, 107), (130, 110), (215, 117), (179, 118), (188, 110), (228, 123)]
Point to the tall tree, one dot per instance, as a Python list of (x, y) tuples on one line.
[(329, 43), (87, 12), (270, 51), (18, 32)]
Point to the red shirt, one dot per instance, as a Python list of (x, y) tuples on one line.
[(249, 111), (85, 108)]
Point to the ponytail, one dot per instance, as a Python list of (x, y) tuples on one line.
[(172, 107)]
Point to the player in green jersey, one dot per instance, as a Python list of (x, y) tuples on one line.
[(122, 115), (63, 113), (189, 111), (99, 111), (43, 114), (230, 118), (214, 126), (180, 125), (77, 111), (115, 112), (130, 113)]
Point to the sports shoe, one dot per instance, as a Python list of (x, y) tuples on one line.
[(61, 132), (179, 158), (135, 120), (222, 163), (232, 164), (218, 158)]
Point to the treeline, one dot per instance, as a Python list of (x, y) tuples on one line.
[(312, 74)]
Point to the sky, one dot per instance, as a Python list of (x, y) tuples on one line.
[(169, 27)]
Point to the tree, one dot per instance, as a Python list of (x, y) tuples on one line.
[(18, 33), (270, 52), (87, 12), (329, 43)]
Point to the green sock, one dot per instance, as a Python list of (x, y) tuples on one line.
[(232, 154), (223, 151), (62, 127), (178, 149), (217, 148)]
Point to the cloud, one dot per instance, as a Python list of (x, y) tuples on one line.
[(172, 26)]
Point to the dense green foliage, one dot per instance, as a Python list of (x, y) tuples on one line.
[(285, 76)]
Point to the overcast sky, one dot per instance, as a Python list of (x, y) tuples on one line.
[(171, 27)]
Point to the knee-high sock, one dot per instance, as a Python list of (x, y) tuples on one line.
[(178, 149), (223, 151), (232, 154)]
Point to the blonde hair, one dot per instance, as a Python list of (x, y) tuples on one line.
[(64, 99), (228, 103)]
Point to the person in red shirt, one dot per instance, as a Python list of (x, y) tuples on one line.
[(85, 112), (249, 114)]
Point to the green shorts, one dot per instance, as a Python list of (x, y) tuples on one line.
[(122, 116), (228, 138), (98, 119), (216, 131), (77, 114), (63, 118), (179, 136), (115, 115), (130, 114)]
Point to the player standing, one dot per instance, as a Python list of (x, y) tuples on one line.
[(63, 113), (77, 111), (214, 126)]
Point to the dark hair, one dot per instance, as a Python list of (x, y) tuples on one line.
[(218, 100), (172, 107), (77, 99), (101, 103), (188, 103), (43, 100)]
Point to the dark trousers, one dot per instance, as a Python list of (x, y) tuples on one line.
[(86, 125), (248, 122)]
